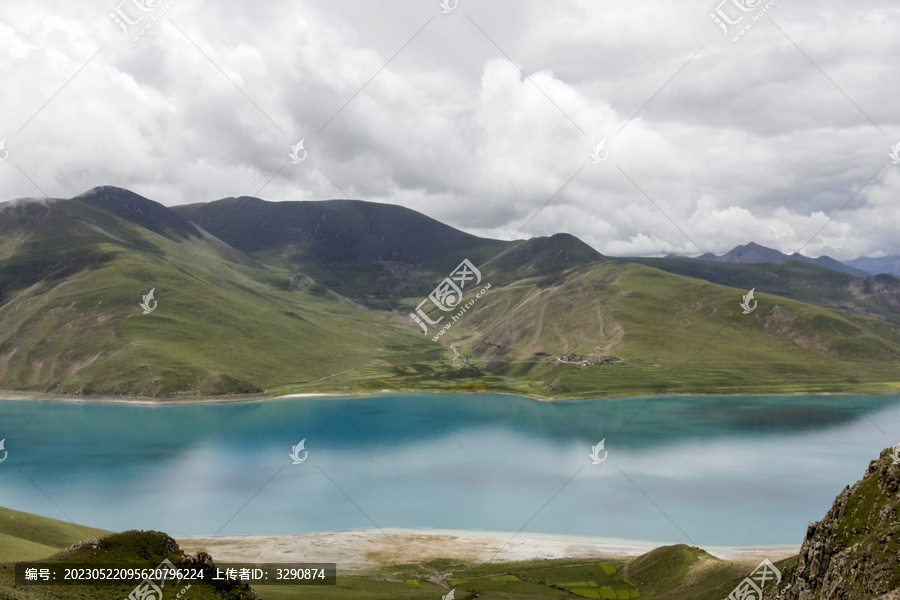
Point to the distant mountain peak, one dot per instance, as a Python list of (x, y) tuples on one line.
[(26, 202), (139, 210), (753, 253), (544, 255), (107, 189), (884, 264), (333, 231), (754, 246)]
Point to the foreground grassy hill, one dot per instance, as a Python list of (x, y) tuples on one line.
[(29, 537), (317, 297), (669, 573), (145, 549)]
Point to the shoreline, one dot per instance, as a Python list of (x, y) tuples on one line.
[(6, 395), (367, 549)]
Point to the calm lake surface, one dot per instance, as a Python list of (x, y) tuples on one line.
[(711, 470)]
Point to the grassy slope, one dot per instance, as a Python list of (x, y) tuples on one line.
[(220, 326), (366, 251), (140, 548), (24, 536), (668, 573), (72, 274), (694, 331), (797, 280), (669, 334)]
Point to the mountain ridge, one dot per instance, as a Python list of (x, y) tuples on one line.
[(321, 301), (889, 265), (755, 253)]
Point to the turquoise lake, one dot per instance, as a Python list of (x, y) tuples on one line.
[(705, 470)]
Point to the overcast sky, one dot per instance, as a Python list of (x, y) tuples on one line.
[(479, 116)]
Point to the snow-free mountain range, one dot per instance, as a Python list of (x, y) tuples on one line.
[(753, 253), (252, 296)]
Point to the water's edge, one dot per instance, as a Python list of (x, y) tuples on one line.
[(7, 395)]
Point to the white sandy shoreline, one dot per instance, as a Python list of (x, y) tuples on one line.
[(366, 549), (174, 401), (147, 401)]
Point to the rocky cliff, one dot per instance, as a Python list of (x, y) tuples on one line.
[(854, 552)]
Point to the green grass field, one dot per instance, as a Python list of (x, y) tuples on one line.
[(24, 536), (667, 573)]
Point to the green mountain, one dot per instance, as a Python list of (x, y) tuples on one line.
[(875, 296), (251, 295), (72, 276), (370, 252)]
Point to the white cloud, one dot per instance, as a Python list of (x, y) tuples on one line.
[(750, 141)]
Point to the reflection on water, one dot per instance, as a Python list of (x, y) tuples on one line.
[(706, 470)]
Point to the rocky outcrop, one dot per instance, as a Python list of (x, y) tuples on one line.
[(854, 552), (884, 289)]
